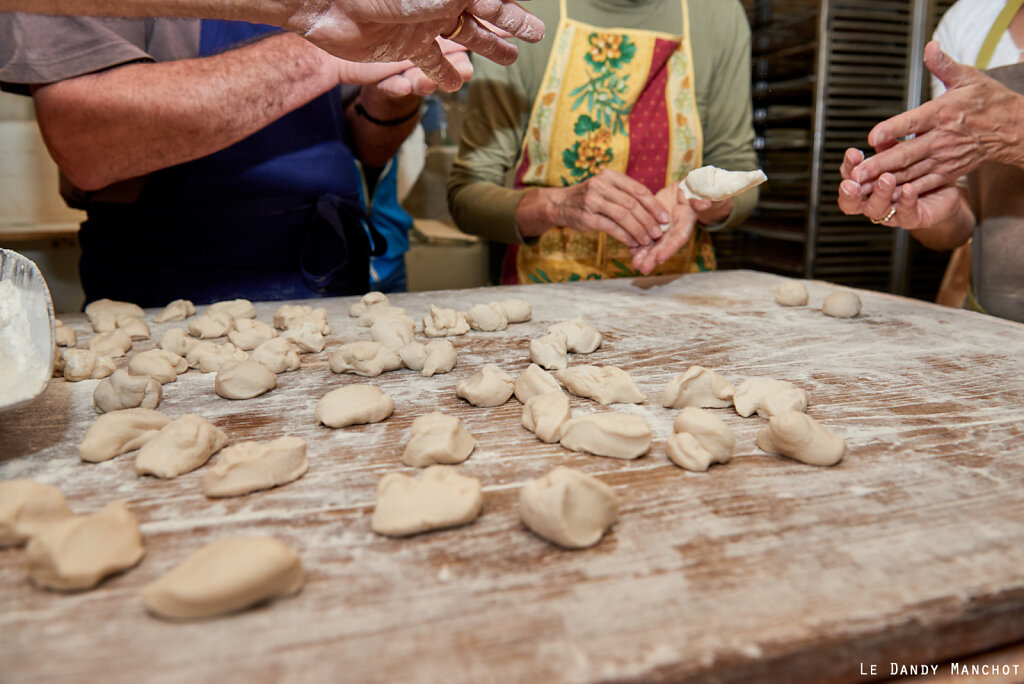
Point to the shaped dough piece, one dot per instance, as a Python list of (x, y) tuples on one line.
[(413, 355), (393, 333), (516, 310), (211, 324), (549, 352), (160, 364), (134, 327), (568, 508), (227, 352), (533, 381), (546, 414), (603, 384), (370, 299), (306, 337), (27, 508), (842, 304), (178, 341), (802, 438), (490, 386), (113, 434), (439, 499), (226, 576), (249, 334), (103, 322), (64, 335), (277, 354), (441, 358), (791, 293), (110, 307), (354, 405), (698, 387), (244, 380), (111, 344), (180, 447), (368, 359), (768, 397), (615, 435), (236, 308), (199, 350), (444, 323), (251, 466), (82, 364), (291, 315), (122, 390), (79, 551), (376, 313), (178, 310), (487, 317), (580, 336), (700, 439), (437, 438), (715, 184)]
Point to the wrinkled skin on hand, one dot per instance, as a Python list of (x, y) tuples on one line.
[(685, 215)]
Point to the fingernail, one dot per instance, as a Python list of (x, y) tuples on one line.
[(664, 227)]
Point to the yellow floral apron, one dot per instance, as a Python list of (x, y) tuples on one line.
[(620, 99)]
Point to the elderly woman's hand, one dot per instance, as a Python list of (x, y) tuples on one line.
[(685, 215)]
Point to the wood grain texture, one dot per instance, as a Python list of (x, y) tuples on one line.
[(766, 569)]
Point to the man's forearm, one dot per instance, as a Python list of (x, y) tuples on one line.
[(276, 12)]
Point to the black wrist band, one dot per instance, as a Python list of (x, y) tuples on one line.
[(390, 122)]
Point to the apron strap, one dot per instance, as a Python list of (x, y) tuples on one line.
[(1002, 22)]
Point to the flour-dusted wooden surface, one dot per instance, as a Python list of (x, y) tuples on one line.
[(910, 550)]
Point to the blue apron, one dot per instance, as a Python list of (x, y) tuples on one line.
[(274, 216)]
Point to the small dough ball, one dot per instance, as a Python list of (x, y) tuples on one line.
[(615, 435), (413, 355), (306, 337), (442, 322), (546, 414), (375, 313), (368, 359), (791, 293), (549, 352), (487, 317), (768, 397), (603, 384), (580, 336), (441, 358), (437, 438), (277, 354), (64, 335), (226, 576), (27, 508), (119, 432), (236, 308), (802, 438), (79, 551), (249, 334), (533, 381), (568, 508), (354, 405), (160, 364), (290, 315), (224, 353), (111, 344), (178, 341), (698, 387), (200, 350), (251, 466), (211, 324), (491, 386), (135, 327), (700, 439), (370, 299), (516, 310), (393, 333), (110, 307), (439, 499), (842, 304), (180, 447), (103, 322), (123, 390), (178, 310), (82, 364), (244, 380)]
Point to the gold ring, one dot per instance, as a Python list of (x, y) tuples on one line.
[(458, 28), (888, 217)]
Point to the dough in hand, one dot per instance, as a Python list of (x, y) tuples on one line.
[(545, 415), (180, 447), (249, 333), (615, 435), (533, 381), (244, 380), (236, 308), (211, 324), (490, 386), (354, 405), (487, 317), (251, 466), (439, 499), (568, 508), (278, 354), (82, 364), (291, 315), (123, 390), (768, 397), (715, 184), (64, 335), (700, 439), (842, 304), (225, 576), (370, 299), (368, 359), (77, 552), (393, 333), (159, 364), (580, 337), (603, 384), (437, 438), (549, 352), (111, 344), (113, 434), (802, 438), (178, 310), (791, 293), (516, 310), (27, 508), (444, 322), (178, 341), (698, 387)]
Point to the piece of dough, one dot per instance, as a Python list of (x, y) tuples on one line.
[(437, 438), (354, 405), (306, 337), (160, 364), (236, 308), (79, 551), (393, 333), (615, 435), (700, 439), (568, 508), (768, 397), (444, 322), (490, 386), (376, 313), (27, 508), (580, 336), (119, 432), (211, 324), (177, 340), (603, 384), (110, 307), (249, 333), (546, 414), (135, 327), (549, 352), (278, 354), (413, 355), (113, 344), (226, 576), (516, 310), (178, 310), (64, 335), (251, 466), (439, 499), (103, 322), (791, 293), (368, 359), (123, 390), (842, 304), (802, 438), (441, 358), (715, 184), (698, 387), (368, 300), (533, 381), (291, 315), (244, 380), (487, 317), (198, 350), (180, 447), (225, 353), (82, 364)]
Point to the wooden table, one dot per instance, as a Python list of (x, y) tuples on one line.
[(910, 551)]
